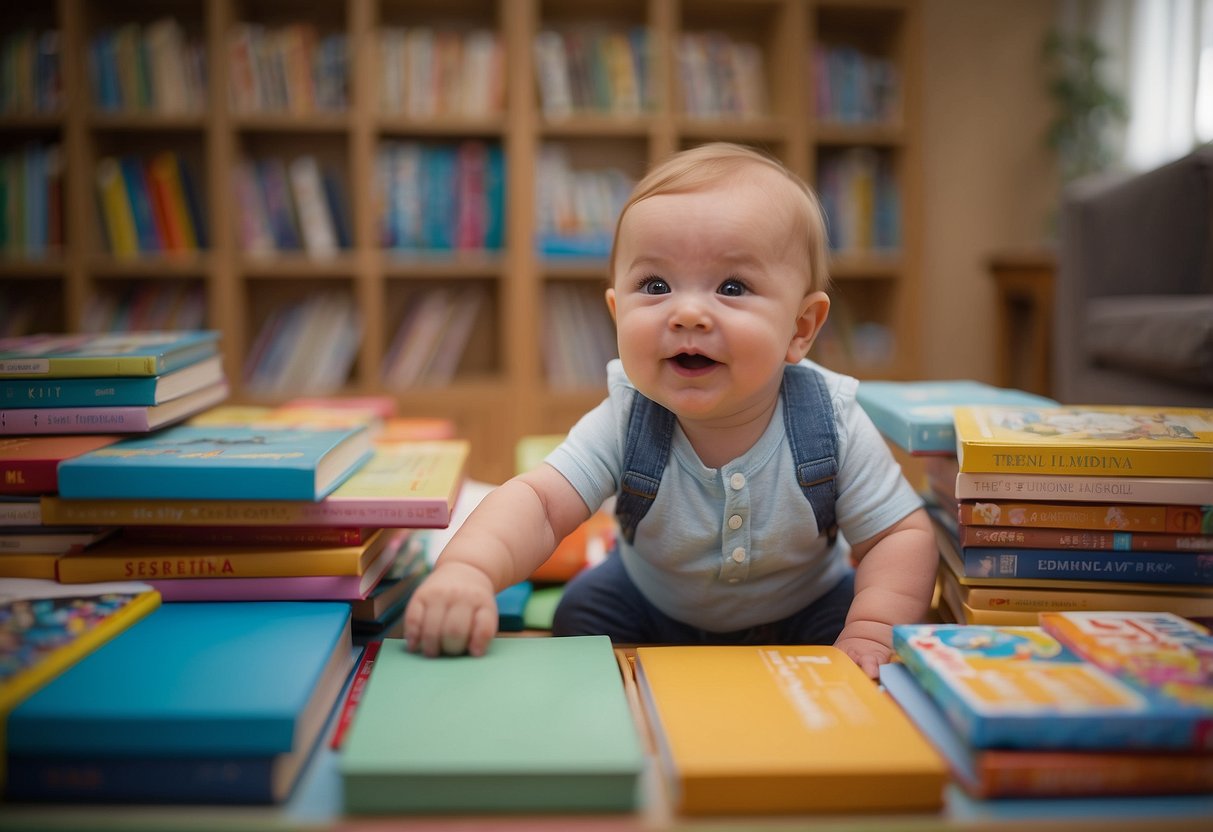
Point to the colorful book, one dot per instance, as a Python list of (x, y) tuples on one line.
[(194, 463), (403, 485), (1188, 520), (195, 686), (1107, 541), (29, 465), (121, 559), (1111, 441), (814, 734), (917, 415), (535, 725), (137, 419), (111, 392), (1001, 773), (103, 354), (1018, 687)]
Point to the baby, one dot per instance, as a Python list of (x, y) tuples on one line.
[(735, 462)]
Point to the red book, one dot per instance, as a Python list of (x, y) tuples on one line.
[(29, 465)]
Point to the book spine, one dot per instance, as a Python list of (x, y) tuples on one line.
[(290, 588), (34, 476), (77, 393), (98, 566), (1078, 539), (253, 535), (19, 512), (132, 365), (996, 458), (237, 780), (1042, 600), (1080, 775), (1171, 519), (1152, 491), (27, 565), (45, 420), (1145, 567)]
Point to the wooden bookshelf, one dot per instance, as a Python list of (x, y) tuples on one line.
[(500, 390)]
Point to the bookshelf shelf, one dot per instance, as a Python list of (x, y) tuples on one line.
[(501, 388)]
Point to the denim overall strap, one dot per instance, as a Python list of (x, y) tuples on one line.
[(813, 438), (650, 434)]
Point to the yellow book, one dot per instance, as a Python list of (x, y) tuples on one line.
[(147, 561), (28, 564), (1086, 440), (761, 729), (116, 209)]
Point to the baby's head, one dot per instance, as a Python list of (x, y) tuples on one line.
[(711, 165)]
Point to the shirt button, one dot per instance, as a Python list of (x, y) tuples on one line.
[(737, 481), (738, 554), (735, 521)]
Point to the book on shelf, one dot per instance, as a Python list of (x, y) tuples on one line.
[(535, 725), (1089, 440), (188, 462), (121, 559), (1185, 520), (402, 485), (815, 733), (112, 419), (1018, 687), (30, 357), (111, 392), (1082, 539), (191, 692), (29, 465), (917, 415), (1003, 773)]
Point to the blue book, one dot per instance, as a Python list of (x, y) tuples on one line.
[(192, 685), (511, 606), (141, 203), (112, 392), (917, 415), (189, 462), (31, 357)]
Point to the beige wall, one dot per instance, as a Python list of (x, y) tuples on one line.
[(988, 182)]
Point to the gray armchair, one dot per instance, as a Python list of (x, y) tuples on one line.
[(1133, 320)]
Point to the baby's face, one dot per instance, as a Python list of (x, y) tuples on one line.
[(708, 290)]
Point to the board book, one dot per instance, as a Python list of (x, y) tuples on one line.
[(1018, 687), (757, 729), (111, 392), (1099, 441), (535, 725), (29, 465), (997, 773), (406, 485), (917, 415), (31, 357), (193, 463)]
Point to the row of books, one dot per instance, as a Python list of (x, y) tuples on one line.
[(31, 77), (594, 70), (721, 77), (160, 305), (31, 200), (432, 336), (298, 205), (149, 205), (441, 196), (861, 199), (855, 87), (579, 337), (307, 347), (425, 72), (154, 67), (287, 69), (576, 208)]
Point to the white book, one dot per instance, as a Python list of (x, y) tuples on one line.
[(315, 221), (453, 342)]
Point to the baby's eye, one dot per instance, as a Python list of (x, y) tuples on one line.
[(654, 286), (733, 288)]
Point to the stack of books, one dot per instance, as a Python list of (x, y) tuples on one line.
[(1085, 704), (1075, 508)]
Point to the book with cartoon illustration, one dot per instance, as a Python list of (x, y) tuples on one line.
[(1102, 441)]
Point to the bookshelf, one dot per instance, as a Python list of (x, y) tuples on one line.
[(645, 78)]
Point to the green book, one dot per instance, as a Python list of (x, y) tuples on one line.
[(535, 725)]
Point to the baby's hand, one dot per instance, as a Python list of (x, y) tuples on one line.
[(865, 652), (454, 611)]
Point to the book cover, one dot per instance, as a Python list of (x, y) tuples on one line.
[(135, 419), (1082, 539), (121, 559), (755, 729), (29, 465), (1188, 520), (111, 392), (31, 357), (402, 485), (1003, 773), (917, 415), (1110, 441), (194, 463), (1018, 687), (535, 725)]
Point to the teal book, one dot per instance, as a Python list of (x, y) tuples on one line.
[(917, 415), (191, 462), (511, 606), (111, 391), (30, 357), (535, 725)]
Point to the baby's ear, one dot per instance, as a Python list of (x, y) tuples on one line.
[(610, 302), (814, 310)]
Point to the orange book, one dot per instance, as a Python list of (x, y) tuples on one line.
[(165, 176), (763, 729)]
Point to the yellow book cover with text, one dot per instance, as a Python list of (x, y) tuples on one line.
[(766, 729), (1089, 440)]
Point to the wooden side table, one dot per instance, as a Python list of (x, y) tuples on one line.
[(1024, 281)]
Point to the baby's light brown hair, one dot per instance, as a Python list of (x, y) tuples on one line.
[(708, 164)]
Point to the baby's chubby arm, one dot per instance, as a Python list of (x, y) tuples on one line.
[(894, 581), (513, 530)]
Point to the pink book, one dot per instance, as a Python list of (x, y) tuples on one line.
[(137, 419)]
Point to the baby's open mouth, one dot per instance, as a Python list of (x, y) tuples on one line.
[(692, 362)]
